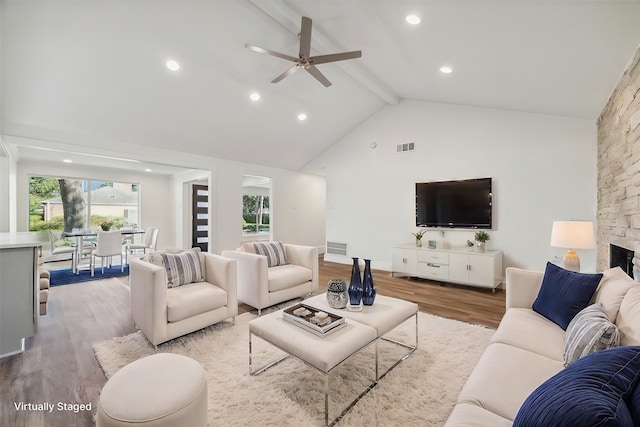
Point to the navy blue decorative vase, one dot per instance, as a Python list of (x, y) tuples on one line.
[(355, 286), (369, 291)]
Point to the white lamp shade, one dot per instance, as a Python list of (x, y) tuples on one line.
[(572, 234)]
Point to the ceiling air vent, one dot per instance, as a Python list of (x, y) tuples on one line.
[(409, 146)]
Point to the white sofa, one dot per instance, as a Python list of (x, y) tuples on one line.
[(260, 286), (527, 348), (163, 313)]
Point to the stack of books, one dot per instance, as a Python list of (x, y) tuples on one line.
[(313, 319)]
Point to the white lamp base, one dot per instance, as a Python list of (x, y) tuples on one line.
[(571, 261)]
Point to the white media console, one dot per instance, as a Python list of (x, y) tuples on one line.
[(458, 265)]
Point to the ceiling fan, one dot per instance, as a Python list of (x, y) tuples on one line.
[(304, 60)]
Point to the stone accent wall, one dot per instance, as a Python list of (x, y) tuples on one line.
[(618, 212)]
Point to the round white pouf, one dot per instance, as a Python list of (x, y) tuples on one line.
[(159, 390)]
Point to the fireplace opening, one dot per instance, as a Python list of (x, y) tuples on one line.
[(621, 257)]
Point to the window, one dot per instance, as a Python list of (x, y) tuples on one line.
[(65, 204), (256, 218)]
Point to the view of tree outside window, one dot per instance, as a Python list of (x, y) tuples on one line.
[(255, 214), (63, 204)]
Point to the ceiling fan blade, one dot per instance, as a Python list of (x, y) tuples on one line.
[(288, 72), (270, 52), (318, 75), (305, 37), (323, 59)]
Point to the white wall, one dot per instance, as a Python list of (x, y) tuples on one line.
[(543, 169), (7, 178), (4, 193), (7, 193), (297, 206), (155, 198)]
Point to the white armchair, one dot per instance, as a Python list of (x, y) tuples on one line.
[(260, 286), (163, 313)]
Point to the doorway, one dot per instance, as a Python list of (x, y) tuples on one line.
[(200, 217)]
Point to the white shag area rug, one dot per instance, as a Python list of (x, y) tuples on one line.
[(420, 391)]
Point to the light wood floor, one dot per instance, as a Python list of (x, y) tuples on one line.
[(59, 364), (468, 304)]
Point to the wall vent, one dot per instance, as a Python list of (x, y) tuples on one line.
[(409, 146), (337, 248)]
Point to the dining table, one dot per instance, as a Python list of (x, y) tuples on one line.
[(82, 236)]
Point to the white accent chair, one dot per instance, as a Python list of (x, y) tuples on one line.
[(108, 245), (150, 242), (163, 313), (261, 287)]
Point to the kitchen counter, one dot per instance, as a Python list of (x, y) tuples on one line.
[(23, 239), (19, 284)]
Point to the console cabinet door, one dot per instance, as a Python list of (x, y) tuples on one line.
[(459, 268), (481, 268), (404, 261), (472, 268)]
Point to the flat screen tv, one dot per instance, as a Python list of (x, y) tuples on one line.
[(454, 204)]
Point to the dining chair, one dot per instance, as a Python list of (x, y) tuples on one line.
[(85, 245), (150, 242), (108, 245), (59, 250)]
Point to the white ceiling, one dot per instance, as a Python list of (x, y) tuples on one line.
[(86, 72)]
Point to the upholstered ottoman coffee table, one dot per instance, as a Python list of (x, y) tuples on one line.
[(384, 315), (326, 353), (322, 353)]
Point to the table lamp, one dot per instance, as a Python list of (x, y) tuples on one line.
[(572, 235)]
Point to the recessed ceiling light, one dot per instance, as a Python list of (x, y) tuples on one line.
[(446, 69), (413, 19), (147, 170), (68, 161), (173, 65), (254, 96), (302, 116)]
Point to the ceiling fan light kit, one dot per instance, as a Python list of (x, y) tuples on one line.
[(305, 60)]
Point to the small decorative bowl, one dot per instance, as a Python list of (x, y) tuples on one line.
[(337, 296)]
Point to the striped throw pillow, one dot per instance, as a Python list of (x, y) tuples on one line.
[(182, 268), (274, 251), (589, 331)]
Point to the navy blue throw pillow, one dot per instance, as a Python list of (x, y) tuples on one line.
[(564, 293), (593, 391), (634, 406)]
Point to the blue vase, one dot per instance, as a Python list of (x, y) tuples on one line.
[(369, 291), (355, 286)]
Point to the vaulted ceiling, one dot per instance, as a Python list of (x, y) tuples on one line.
[(93, 72)]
